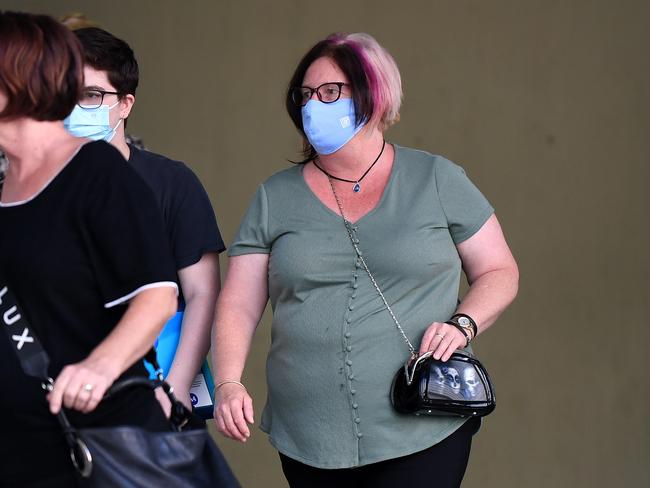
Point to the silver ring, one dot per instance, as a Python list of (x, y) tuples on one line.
[(439, 335), (88, 387)]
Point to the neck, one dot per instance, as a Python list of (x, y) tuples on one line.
[(119, 142), (353, 159), (28, 142)]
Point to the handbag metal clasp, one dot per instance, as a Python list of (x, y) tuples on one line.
[(409, 373)]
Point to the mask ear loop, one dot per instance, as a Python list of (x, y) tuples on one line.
[(114, 129)]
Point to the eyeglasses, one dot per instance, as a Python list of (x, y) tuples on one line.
[(328, 92), (93, 98)]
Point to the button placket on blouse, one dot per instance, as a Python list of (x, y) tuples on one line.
[(348, 348)]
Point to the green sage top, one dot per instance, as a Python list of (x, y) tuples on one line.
[(334, 347)]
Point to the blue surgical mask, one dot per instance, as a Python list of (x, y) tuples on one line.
[(329, 126), (93, 123)]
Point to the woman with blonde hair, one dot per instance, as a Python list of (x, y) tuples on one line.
[(418, 220)]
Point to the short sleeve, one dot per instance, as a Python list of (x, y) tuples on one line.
[(253, 234), (125, 236), (465, 207), (193, 225)]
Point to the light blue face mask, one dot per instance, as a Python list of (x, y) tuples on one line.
[(330, 126), (93, 123)]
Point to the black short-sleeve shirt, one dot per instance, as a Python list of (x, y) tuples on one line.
[(73, 255), (189, 218)]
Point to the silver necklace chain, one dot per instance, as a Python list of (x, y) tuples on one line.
[(348, 228)]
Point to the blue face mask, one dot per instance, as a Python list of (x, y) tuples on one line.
[(329, 126), (92, 123)]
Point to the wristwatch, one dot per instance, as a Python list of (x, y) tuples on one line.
[(466, 323)]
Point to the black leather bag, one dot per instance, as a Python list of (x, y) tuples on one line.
[(459, 386), (129, 456), (125, 456)]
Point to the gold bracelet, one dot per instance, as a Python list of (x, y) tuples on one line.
[(221, 383)]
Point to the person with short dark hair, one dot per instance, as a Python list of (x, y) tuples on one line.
[(416, 220), (80, 250), (111, 79)]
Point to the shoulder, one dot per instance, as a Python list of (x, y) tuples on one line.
[(98, 153), (162, 173), (424, 168), (418, 159), (150, 162), (101, 175), (98, 161), (283, 180)]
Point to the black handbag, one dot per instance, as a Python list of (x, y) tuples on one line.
[(125, 456), (459, 386)]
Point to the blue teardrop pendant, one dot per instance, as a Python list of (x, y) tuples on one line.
[(356, 188)]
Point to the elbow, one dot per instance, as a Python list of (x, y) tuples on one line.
[(199, 296), (169, 303), (514, 281)]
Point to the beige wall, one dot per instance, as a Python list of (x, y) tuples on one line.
[(545, 103)]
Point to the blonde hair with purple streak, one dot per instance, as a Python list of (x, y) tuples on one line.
[(384, 80)]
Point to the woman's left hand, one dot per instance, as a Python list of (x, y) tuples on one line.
[(81, 386), (443, 339)]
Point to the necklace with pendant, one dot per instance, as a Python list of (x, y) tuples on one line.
[(357, 183)]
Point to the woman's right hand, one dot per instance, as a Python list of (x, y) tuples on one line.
[(233, 411)]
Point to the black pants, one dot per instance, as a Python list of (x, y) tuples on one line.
[(440, 466)]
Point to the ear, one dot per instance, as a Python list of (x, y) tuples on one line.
[(126, 104)]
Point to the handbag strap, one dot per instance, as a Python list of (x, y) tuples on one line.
[(33, 358), (354, 239)]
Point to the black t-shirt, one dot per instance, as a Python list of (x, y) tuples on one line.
[(189, 219), (73, 255)]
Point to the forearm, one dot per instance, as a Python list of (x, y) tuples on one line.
[(231, 340), (489, 295), (136, 332), (239, 309), (233, 333), (194, 342)]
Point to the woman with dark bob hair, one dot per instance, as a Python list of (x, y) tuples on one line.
[(81, 252), (417, 220)]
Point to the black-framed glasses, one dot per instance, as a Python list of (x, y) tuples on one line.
[(328, 92), (93, 98)]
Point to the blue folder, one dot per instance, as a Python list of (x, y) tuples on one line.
[(202, 391)]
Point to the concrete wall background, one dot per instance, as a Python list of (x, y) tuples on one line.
[(546, 105)]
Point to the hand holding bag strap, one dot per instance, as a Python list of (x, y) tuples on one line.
[(412, 362), (35, 361), (190, 457)]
